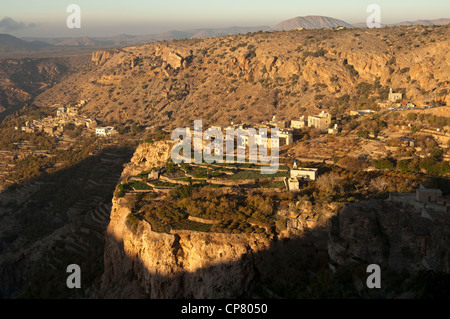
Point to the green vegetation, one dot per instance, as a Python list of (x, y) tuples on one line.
[(383, 163), (254, 174), (191, 225), (132, 186), (252, 212), (158, 135), (159, 183)]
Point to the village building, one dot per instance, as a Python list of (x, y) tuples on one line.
[(298, 175), (280, 124), (321, 121), (306, 174), (105, 131), (407, 141), (154, 174), (298, 124), (335, 130), (394, 97), (286, 137), (60, 111), (427, 195)]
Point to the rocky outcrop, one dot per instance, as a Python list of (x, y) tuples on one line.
[(383, 233), (303, 215), (173, 59), (102, 56), (148, 156), (140, 263)]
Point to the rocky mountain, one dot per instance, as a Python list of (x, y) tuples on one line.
[(129, 40), (250, 78), (307, 22), (10, 44), (22, 79), (310, 22), (416, 22), (425, 22), (143, 263)]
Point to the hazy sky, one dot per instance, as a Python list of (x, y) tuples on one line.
[(102, 18)]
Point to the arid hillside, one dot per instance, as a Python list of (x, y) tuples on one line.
[(250, 78), (24, 78)]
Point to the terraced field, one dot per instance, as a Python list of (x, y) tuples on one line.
[(62, 222)]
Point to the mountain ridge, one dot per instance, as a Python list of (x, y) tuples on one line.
[(252, 77), (310, 22), (307, 22)]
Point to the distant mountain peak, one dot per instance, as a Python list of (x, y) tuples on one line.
[(310, 22)]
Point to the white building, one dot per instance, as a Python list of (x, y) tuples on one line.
[(306, 174), (60, 111), (105, 131), (301, 174)]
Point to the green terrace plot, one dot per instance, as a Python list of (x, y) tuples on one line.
[(173, 170), (235, 171), (230, 213), (236, 227), (187, 224), (158, 183), (243, 174), (133, 186), (202, 171)]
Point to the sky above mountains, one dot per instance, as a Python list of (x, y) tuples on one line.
[(47, 18)]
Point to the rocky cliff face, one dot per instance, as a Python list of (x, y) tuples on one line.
[(101, 56), (23, 79), (148, 156), (140, 263), (310, 239), (390, 235)]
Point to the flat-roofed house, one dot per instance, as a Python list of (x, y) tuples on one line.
[(286, 137), (60, 111), (394, 97), (301, 174), (105, 131), (321, 121), (427, 195), (298, 124), (306, 174)]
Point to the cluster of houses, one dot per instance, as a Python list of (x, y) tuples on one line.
[(287, 132), (65, 115), (55, 125)]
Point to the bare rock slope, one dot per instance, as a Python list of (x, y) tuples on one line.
[(249, 78)]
